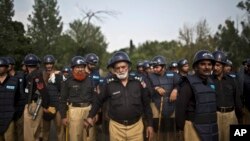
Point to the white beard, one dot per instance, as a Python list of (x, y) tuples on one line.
[(122, 76)]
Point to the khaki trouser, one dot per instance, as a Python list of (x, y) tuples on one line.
[(19, 129), (246, 116), (77, 132), (59, 128), (120, 132), (32, 128), (190, 133), (8, 134), (224, 121)]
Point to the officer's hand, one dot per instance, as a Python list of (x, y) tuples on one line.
[(95, 119), (150, 133), (89, 122), (45, 110), (160, 90), (173, 95), (65, 121)]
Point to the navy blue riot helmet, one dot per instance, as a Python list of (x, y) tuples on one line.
[(11, 60), (173, 64), (139, 64), (119, 57), (203, 55), (31, 60), (78, 60), (159, 60), (220, 57), (92, 58), (146, 64), (66, 69), (4, 62), (182, 62), (49, 59)]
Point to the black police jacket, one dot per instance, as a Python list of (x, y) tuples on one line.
[(8, 97), (74, 91), (126, 102)]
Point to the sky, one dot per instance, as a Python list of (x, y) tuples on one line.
[(141, 20)]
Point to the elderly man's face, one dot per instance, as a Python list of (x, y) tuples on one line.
[(121, 70)]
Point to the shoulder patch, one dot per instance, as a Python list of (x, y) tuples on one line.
[(232, 75), (212, 86), (110, 80), (138, 78)]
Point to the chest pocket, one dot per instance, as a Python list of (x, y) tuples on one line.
[(116, 98), (74, 90), (135, 95)]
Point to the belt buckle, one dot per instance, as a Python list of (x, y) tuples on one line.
[(125, 122), (223, 110)]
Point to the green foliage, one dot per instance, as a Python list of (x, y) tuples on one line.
[(45, 27), (88, 38), (12, 40)]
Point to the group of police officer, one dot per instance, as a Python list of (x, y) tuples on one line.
[(156, 102)]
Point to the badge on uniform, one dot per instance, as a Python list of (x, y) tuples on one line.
[(212, 86)]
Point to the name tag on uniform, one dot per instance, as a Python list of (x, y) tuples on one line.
[(115, 93), (10, 87), (26, 90)]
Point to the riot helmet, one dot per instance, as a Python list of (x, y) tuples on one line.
[(173, 64), (4, 62), (203, 55), (119, 56), (146, 64), (159, 60), (229, 62), (11, 60), (182, 62), (49, 59), (220, 57), (92, 58), (78, 60), (66, 69), (31, 60), (139, 64)]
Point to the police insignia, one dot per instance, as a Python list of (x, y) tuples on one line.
[(212, 86)]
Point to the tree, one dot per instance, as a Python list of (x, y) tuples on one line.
[(45, 26), (13, 41), (245, 33), (228, 40), (6, 30), (88, 38), (202, 31), (186, 35)]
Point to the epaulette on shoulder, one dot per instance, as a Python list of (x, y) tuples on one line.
[(109, 80), (232, 75), (132, 74), (139, 78)]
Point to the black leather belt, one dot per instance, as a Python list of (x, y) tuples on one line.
[(80, 104), (127, 122), (225, 109)]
